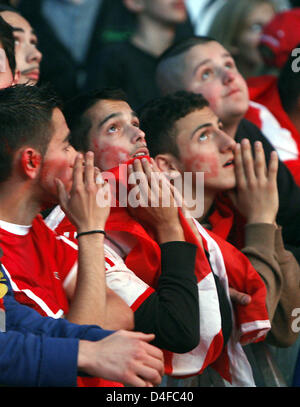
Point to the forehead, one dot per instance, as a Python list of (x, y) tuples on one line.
[(189, 123), (16, 20), (204, 52), (105, 108)]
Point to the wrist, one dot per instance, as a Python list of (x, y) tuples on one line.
[(261, 219), (91, 233), (86, 228), (169, 232)]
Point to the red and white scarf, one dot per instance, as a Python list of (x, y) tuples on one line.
[(250, 322)]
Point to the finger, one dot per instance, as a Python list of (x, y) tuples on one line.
[(260, 161), (248, 163), (63, 196), (154, 165), (141, 182), (238, 167), (148, 373), (273, 167), (147, 169), (139, 335), (239, 297), (89, 169), (97, 176), (78, 171)]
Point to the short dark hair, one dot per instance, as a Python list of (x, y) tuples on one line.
[(8, 43), (158, 118), (171, 64), (184, 45), (79, 123), (25, 119), (289, 83)]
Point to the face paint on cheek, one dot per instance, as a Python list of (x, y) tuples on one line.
[(203, 163), (108, 157), (56, 169)]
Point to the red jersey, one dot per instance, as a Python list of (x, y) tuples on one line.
[(37, 263)]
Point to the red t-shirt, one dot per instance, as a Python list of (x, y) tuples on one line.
[(37, 263)]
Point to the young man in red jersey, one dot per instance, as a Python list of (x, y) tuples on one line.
[(21, 327)]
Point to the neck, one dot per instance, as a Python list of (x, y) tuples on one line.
[(16, 203), (153, 36)]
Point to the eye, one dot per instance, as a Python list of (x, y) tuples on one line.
[(206, 74), (17, 42), (34, 41), (229, 64), (136, 123), (203, 137), (112, 128)]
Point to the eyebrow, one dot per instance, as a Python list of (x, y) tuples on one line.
[(18, 29), (225, 55), (204, 125), (113, 115)]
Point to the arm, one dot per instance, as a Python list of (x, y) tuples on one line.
[(88, 301), (42, 351), (282, 333), (172, 312), (288, 215), (33, 360), (257, 199)]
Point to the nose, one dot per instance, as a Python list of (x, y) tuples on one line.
[(34, 55), (138, 136), (228, 76), (226, 142)]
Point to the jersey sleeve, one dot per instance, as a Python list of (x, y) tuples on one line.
[(66, 258), (124, 282)]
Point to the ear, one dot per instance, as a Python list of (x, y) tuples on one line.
[(168, 164), (16, 77), (30, 162), (135, 6)]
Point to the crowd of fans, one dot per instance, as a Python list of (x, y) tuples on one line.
[(108, 110)]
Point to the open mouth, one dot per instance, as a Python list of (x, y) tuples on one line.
[(141, 152), (33, 74), (228, 163)]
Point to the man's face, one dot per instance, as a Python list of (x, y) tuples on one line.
[(204, 147), (170, 11), (210, 70), (115, 136), (28, 57), (6, 76), (58, 161)]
